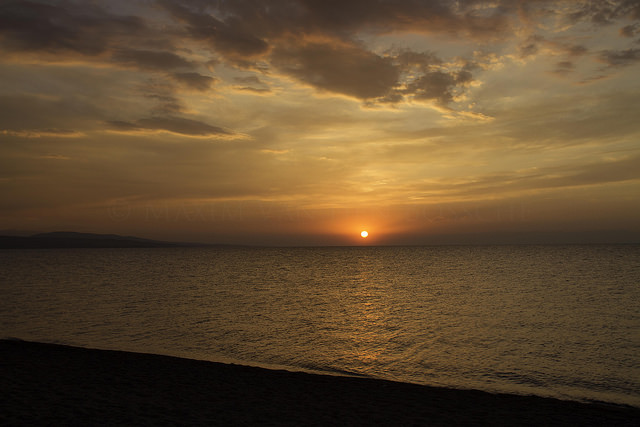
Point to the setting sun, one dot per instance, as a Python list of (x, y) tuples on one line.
[(364, 234)]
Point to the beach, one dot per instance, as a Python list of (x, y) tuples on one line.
[(48, 384)]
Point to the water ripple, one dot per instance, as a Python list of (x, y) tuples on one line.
[(559, 321)]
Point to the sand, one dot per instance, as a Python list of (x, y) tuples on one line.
[(46, 384)]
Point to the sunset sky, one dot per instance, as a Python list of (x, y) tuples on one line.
[(304, 122)]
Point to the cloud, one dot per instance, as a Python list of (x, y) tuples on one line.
[(437, 85), (167, 103), (248, 80), (408, 59), (33, 116), (564, 68), (529, 47), (78, 31), (251, 84), (171, 124), (602, 12), (620, 58), (246, 31), (339, 17), (625, 169), (344, 69), (54, 157), (150, 60), (575, 50), (316, 43), (537, 43), (230, 38), (556, 177), (630, 30), (40, 133), (354, 71), (194, 80), (256, 90), (426, 77), (81, 29)]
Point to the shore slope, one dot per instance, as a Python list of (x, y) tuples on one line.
[(62, 385)]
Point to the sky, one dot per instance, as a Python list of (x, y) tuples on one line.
[(304, 122)]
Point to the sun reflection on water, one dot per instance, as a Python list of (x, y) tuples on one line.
[(486, 318)]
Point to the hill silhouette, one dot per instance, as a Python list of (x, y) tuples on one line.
[(69, 239)]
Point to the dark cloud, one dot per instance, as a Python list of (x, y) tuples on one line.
[(575, 50), (243, 31), (150, 60), (178, 125), (403, 15), (261, 20), (407, 59), (630, 30), (603, 12), (231, 40), (251, 84), (527, 50), (564, 68), (352, 70), (163, 92), (475, 18), (253, 89), (619, 58), (530, 46), (313, 41), (427, 77), (166, 103), (345, 69), (534, 43), (339, 16), (248, 80), (82, 29), (438, 86), (194, 80), (231, 37), (529, 12)]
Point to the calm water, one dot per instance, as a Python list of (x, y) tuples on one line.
[(561, 321)]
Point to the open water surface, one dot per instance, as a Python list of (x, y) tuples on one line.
[(560, 321)]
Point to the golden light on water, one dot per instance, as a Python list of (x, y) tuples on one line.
[(364, 234)]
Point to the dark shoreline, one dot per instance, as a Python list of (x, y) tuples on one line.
[(47, 384)]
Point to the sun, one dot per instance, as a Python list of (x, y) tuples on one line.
[(364, 234)]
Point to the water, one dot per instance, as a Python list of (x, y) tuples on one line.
[(559, 321)]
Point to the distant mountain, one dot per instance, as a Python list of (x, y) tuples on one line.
[(69, 239)]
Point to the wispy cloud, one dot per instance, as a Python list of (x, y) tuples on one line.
[(38, 133), (176, 125)]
